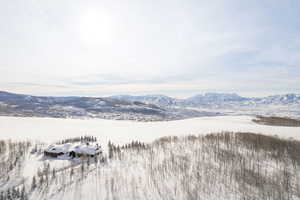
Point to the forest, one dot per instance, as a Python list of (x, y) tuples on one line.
[(227, 165)]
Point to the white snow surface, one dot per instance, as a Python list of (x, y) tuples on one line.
[(50, 130)]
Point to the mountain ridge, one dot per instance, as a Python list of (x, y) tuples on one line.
[(196, 100), (148, 107), (89, 107)]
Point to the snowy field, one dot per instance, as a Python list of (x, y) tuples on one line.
[(52, 129)]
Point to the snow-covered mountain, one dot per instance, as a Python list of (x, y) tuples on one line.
[(160, 100), (228, 104), (90, 107), (195, 101), (213, 98), (207, 99), (148, 107), (286, 99)]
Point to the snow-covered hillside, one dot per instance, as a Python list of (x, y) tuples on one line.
[(161, 100), (287, 105), (216, 167), (219, 166), (185, 167), (213, 99)]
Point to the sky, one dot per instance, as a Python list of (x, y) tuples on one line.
[(172, 47)]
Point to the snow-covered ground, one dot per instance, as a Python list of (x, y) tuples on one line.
[(51, 129), (136, 173)]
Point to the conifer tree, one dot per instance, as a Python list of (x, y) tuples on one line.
[(53, 173), (71, 172), (33, 184), (110, 150)]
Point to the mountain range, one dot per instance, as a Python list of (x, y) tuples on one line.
[(286, 105), (213, 99), (90, 107), (147, 107)]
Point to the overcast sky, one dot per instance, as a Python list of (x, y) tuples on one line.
[(173, 47)]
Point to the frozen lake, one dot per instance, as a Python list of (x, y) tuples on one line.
[(51, 129)]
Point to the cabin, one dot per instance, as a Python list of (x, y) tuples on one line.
[(56, 150), (85, 149), (80, 149)]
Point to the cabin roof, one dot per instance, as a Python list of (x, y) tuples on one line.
[(80, 148)]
